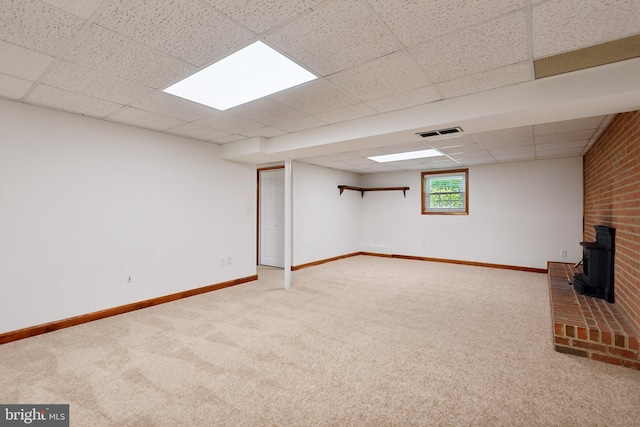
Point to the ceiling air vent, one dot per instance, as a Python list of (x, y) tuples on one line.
[(447, 131)]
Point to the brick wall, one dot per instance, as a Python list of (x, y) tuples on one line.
[(612, 198)]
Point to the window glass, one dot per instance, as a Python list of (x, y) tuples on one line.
[(445, 192)]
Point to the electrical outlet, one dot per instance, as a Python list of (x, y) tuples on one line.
[(128, 277), (222, 262), (563, 253), (228, 260)]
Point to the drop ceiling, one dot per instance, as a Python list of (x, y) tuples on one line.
[(388, 69)]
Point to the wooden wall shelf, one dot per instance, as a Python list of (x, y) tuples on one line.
[(362, 190)]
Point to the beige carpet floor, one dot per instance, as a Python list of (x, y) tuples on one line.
[(363, 341)]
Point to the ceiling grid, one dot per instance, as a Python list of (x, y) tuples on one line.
[(376, 60)]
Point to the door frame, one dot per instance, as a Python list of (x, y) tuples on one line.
[(258, 225)]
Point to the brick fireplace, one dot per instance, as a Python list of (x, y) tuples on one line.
[(587, 326), (612, 198), (592, 327)]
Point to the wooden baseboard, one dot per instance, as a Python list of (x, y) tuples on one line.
[(77, 320), (323, 261), (376, 254), (474, 263), (419, 258)]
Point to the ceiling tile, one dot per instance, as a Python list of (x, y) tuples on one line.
[(193, 130), (381, 168), (468, 149), (559, 153), (470, 46), (565, 25), (515, 157), (260, 15), (491, 45), (301, 124), (348, 156), (190, 30), (412, 166), (19, 62), (229, 138), (339, 166), (561, 146), (13, 87), (379, 151), (565, 136), (351, 112), (416, 21), (392, 149), (315, 97), (36, 25), (356, 169), (81, 8), (145, 119), (470, 155), (320, 160), (335, 36), (419, 96), (265, 132), (455, 141), (517, 149), (382, 77), (227, 122), (71, 101), (500, 77), (511, 134), (266, 112), (441, 164), (316, 160), (87, 81), (477, 161), (361, 161), (420, 144), (507, 143), (172, 106), (567, 126), (114, 54)]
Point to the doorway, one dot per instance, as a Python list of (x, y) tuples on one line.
[(271, 217)]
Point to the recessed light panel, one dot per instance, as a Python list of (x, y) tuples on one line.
[(250, 73), (409, 155)]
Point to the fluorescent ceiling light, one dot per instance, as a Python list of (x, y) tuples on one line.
[(421, 154), (250, 73)]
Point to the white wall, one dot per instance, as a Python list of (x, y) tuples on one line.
[(84, 201), (325, 224), (520, 214)]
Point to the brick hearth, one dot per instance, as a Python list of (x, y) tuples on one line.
[(589, 327)]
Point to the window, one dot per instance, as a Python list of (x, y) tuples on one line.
[(445, 192)]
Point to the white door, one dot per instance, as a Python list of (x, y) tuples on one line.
[(272, 218)]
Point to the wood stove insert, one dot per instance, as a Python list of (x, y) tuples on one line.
[(597, 278)]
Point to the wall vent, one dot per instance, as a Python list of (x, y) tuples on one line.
[(447, 131), (605, 53)]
